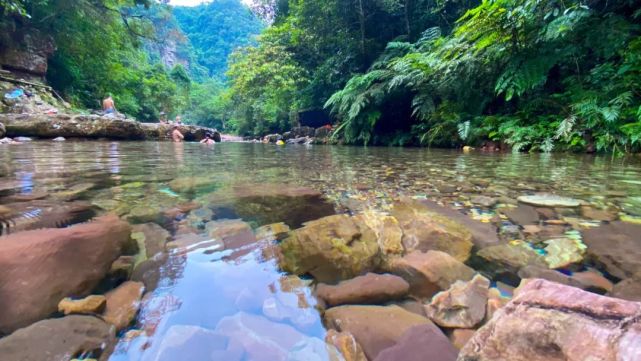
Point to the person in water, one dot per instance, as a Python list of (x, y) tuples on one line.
[(108, 105), (176, 135), (208, 139)]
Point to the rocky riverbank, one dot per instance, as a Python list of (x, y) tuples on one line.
[(68, 126), (298, 135)]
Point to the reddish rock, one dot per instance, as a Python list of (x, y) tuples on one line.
[(429, 273), (374, 327), (368, 289), (151, 238), (593, 280), (628, 289), (462, 305), (420, 343), (522, 215), (548, 321), (617, 246), (123, 304), (39, 268)]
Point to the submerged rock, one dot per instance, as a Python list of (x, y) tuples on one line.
[(429, 273), (123, 304), (151, 239), (425, 230), (420, 343), (375, 328), (346, 344), (275, 231), (462, 305), (547, 321), (331, 249), (522, 215), (88, 305), (628, 289), (368, 289), (59, 340), (617, 246), (387, 229), (39, 268), (197, 342), (549, 200), (562, 252), (512, 256)]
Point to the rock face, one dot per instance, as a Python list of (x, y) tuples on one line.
[(331, 249), (59, 340), (92, 127), (617, 246), (462, 305), (429, 273), (30, 53), (374, 327), (547, 321), (368, 289), (420, 343), (39, 268), (123, 304), (425, 230)]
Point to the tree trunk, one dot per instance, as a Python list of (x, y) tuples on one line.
[(408, 26), (361, 20)]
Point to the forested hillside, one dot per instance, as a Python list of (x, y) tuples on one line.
[(216, 29), (539, 75)]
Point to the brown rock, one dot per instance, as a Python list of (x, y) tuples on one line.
[(275, 231), (512, 256), (462, 305), (123, 304), (592, 280), (151, 238), (420, 343), (387, 230), (374, 327), (460, 336), (368, 289), (429, 273), (331, 249), (39, 268), (548, 321), (617, 246), (522, 215), (425, 230), (495, 301), (628, 289), (234, 233), (88, 305), (59, 339), (346, 344), (599, 214)]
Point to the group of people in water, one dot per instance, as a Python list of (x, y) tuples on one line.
[(109, 108)]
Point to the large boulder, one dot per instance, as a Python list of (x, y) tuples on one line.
[(59, 340), (368, 289), (462, 305), (617, 246), (331, 249), (375, 328), (548, 321), (40, 268), (426, 230), (420, 343), (429, 273)]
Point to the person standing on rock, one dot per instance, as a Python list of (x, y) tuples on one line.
[(176, 135), (108, 105)]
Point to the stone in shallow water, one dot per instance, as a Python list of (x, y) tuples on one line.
[(374, 327), (123, 304), (429, 273), (562, 252), (512, 256), (151, 238), (387, 229), (420, 343), (87, 305), (522, 215), (484, 201), (462, 305), (277, 231), (346, 345), (628, 289), (368, 289), (617, 246), (549, 200), (59, 339), (547, 321)]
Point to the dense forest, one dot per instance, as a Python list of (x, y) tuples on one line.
[(137, 51), (531, 75), (539, 75)]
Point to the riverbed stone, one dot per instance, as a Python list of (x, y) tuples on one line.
[(460, 336), (375, 328), (512, 256), (368, 289), (59, 339), (628, 289), (430, 272), (522, 215), (123, 304), (331, 249), (548, 321), (420, 343), (387, 229), (562, 252), (88, 305), (274, 231), (346, 344), (484, 201), (617, 246), (151, 238), (41, 267), (425, 230), (604, 215), (463, 305), (549, 200)]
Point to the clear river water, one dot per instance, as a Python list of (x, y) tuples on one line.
[(202, 287)]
